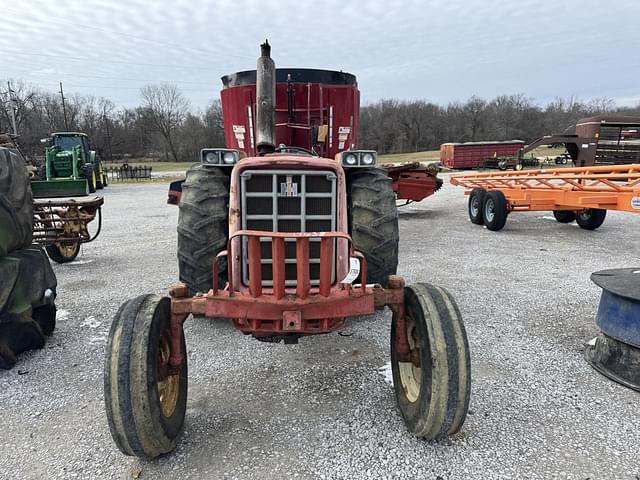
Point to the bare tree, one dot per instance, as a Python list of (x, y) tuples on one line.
[(166, 108)]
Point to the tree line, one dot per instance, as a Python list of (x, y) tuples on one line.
[(166, 127)]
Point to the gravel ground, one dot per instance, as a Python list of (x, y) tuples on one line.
[(323, 409)]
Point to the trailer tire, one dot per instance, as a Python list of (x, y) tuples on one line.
[(433, 400), (495, 210), (476, 198), (591, 218), (203, 227), (145, 412), (63, 252), (373, 221), (564, 216)]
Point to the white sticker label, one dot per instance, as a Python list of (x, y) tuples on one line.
[(344, 130), (585, 145), (238, 129), (354, 270), (635, 203)]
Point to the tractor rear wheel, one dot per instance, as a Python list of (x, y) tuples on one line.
[(63, 252), (203, 227), (373, 221), (145, 403), (495, 210), (591, 218), (475, 205), (564, 216), (433, 387)]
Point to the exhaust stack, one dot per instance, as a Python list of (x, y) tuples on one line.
[(265, 101)]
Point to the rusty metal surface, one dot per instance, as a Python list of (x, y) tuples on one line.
[(66, 220), (413, 181)]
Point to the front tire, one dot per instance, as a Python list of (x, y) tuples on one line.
[(433, 397), (90, 175), (373, 221), (203, 227), (591, 218), (145, 405), (495, 210), (63, 252)]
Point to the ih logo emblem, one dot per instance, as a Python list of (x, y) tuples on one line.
[(289, 188)]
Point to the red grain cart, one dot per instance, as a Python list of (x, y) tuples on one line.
[(474, 154)]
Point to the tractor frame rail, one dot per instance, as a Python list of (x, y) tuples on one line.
[(615, 187), (66, 220)]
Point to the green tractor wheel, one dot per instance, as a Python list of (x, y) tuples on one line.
[(90, 175)]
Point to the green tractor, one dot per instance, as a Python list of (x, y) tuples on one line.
[(70, 169)]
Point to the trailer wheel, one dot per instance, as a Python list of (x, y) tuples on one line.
[(591, 218), (145, 405), (564, 216), (495, 210), (203, 226), (373, 221), (63, 252), (475, 205), (433, 397)]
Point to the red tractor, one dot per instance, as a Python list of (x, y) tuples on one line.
[(285, 243)]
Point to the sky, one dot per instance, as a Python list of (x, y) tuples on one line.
[(436, 50)]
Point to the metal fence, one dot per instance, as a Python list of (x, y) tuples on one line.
[(127, 172)]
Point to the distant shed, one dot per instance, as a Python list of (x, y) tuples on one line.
[(473, 154)]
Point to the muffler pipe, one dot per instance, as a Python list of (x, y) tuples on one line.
[(265, 101)]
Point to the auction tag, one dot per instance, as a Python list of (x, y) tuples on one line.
[(354, 270), (635, 203)]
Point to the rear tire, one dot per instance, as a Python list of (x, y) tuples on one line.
[(495, 210), (145, 406), (564, 216), (591, 218), (476, 199), (433, 398), (203, 227), (63, 252), (373, 221)]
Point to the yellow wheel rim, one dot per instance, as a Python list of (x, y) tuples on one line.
[(68, 249), (168, 385), (410, 375)]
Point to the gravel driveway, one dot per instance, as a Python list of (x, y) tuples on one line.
[(323, 408)]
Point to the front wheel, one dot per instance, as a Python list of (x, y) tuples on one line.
[(63, 252), (476, 197), (495, 210), (433, 382), (144, 401), (591, 218)]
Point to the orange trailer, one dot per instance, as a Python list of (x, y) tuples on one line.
[(581, 194)]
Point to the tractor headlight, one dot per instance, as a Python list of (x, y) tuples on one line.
[(358, 158), (229, 157), (350, 159), (225, 157), (367, 159)]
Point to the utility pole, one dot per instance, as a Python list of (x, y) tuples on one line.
[(106, 127), (64, 109)]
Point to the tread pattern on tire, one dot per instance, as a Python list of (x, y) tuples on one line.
[(444, 412), (203, 226), (500, 210), (16, 192), (132, 417), (373, 221), (595, 218)]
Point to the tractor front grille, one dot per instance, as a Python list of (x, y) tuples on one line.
[(287, 201)]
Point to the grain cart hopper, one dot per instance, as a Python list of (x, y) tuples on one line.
[(71, 168), (276, 241), (317, 113), (599, 140)]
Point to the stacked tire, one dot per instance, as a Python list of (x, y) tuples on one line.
[(27, 281)]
